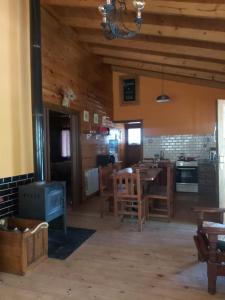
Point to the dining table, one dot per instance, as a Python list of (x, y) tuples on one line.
[(148, 175)]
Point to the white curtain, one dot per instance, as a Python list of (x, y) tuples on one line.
[(65, 143)]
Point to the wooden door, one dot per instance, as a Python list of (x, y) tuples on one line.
[(221, 150), (133, 143)]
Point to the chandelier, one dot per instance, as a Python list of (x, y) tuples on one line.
[(113, 12)]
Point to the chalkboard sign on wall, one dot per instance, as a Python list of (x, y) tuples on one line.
[(128, 90)]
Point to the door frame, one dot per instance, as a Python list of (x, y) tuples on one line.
[(75, 149), (142, 134), (220, 159)]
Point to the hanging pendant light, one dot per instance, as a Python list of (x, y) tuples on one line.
[(162, 98)]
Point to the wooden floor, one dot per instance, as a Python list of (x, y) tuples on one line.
[(119, 263)]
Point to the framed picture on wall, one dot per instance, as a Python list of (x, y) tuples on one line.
[(86, 116), (129, 90), (95, 118)]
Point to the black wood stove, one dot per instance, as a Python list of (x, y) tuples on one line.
[(43, 201)]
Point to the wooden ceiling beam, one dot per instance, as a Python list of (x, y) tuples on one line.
[(213, 76), (171, 49), (177, 8), (172, 77), (155, 30), (160, 59)]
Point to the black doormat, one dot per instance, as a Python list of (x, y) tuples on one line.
[(60, 246)]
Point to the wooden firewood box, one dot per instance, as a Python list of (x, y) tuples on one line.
[(19, 250)]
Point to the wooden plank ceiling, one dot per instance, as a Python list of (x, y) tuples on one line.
[(184, 39)]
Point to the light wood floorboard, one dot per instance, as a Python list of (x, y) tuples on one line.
[(119, 263)]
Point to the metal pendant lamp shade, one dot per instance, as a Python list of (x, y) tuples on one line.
[(163, 98)]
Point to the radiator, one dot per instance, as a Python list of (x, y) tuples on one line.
[(91, 181)]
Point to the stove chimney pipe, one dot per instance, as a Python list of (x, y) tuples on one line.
[(36, 90)]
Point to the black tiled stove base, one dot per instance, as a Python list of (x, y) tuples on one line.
[(9, 193)]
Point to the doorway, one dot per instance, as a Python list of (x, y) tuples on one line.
[(133, 142), (62, 151)]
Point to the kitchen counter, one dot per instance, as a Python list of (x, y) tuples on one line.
[(207, 161)]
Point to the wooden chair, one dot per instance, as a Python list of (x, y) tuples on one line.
[(105, 187), (128, 199), (160, 198), (210, 243), (117, 166)]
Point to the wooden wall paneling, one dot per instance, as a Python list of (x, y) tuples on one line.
[(67, 63)]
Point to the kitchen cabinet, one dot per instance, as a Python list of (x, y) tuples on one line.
[(208, 183)]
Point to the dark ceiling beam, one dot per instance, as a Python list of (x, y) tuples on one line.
[(213, 10)]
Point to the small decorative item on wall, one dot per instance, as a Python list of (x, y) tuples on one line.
[(104, 119), (68, 96), (129, 89), (86, 116), (95, 118)]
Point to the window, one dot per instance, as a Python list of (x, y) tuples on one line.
[(134, 136), (65, 143), (129, 90)]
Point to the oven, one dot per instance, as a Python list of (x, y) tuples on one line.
[(187, 176)]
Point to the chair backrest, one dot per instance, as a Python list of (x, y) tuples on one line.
[(202, 238), (127, 185), (212, 214), (117, 166), (170, 181), (106, 179), (201, 244)]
